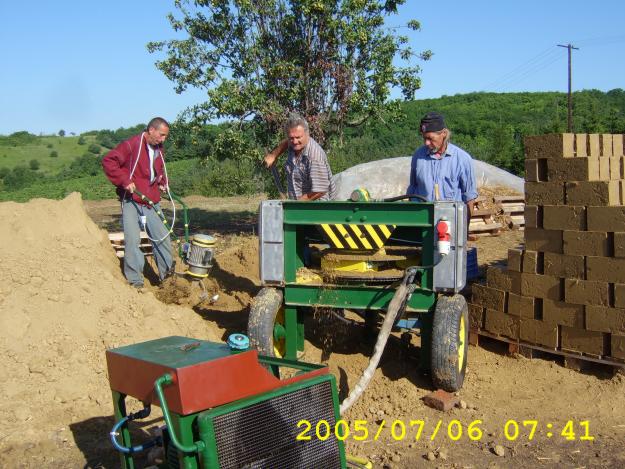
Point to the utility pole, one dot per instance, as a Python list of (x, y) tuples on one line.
[(569, 119)]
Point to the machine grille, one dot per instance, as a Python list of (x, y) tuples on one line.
[(263, 435)]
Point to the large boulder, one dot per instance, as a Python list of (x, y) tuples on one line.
[(390, 177)]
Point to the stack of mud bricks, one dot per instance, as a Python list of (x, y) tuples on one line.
[(566, 290)]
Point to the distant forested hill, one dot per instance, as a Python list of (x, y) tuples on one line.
[(221, 160), (491, 126)]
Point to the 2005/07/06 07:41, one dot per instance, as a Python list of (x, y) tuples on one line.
[(399, 430)]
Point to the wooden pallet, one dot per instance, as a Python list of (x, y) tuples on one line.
[(482, 221), (513, 209), (570, 359), (117, 241)]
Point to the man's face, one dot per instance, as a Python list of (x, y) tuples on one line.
[(157, 135), (298, 138), (434, 140)]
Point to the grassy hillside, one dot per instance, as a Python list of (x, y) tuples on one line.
[(67, 149), (91, 187)]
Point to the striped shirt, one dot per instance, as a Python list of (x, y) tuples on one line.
[(309, 172)]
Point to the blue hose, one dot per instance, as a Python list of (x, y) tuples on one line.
[(133, 449)]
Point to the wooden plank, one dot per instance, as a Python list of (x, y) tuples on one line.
[(484, 227), (507, 198), (571, 356)]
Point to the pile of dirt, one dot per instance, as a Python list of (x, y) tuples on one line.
[(63, 302)]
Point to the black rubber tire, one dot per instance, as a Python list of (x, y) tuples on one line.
[(447, 347), (260, 325)]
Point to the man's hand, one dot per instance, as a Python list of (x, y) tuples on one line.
[(163, 188), (270, 159), (311, 196), (130, 187)]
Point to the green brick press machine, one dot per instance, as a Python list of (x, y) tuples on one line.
[(360, 255)]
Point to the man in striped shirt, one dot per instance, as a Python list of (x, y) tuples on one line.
[(308, 172)]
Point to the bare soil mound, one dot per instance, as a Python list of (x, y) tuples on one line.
[(63, 301)]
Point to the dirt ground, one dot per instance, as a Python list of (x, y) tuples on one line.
[(64, 301)]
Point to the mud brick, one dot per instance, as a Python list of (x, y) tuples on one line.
[(533, 216), (575, 169), (531, 261), (515, 282), (581, 145), (500, 323), (564, 217), (522, 306), (617, 348), (488, 297), (586, 292), (549, 146), (619, 244), (538, 332), (497, 277), (545, 193), (604, 319), (606, 193), (580, 340), (606, 145), (543, 240), (515, 257), (605, 269), (476, 316), (605, 218), (565, 266), (441, 400), (594, 145), (616, 168), (604, 169), (619, 295), (564, 314), (531, 170), (541, 286), (586, 243), (617, 144)]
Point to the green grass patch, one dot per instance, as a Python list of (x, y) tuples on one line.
[(91, 187), (67, 149)]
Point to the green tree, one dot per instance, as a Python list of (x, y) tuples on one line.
[(81, 140), (54, 154), (34, 164), (93, 148), (61, 133), (333, 61)]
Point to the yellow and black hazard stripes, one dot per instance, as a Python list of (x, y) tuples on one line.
[(346, 236)]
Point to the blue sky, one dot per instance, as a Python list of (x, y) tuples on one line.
[(80, 65)]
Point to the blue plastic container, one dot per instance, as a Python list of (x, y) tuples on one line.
[(472, 270)]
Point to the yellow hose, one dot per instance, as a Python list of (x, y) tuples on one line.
[(359, 462)]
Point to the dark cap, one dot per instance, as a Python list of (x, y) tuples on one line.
[(432, 122)]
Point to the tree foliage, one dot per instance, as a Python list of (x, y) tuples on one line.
[(333, 61)]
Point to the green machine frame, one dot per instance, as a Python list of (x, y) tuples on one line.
[(414, 224)]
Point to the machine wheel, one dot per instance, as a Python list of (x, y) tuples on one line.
[(265, 325), (450, 342)]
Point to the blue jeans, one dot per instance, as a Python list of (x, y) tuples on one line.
[(134, 259)]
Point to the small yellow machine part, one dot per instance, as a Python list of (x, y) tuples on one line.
[(344, 265)]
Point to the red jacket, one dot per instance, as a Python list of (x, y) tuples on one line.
[(118, 164)]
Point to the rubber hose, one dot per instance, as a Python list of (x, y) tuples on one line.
[(385, 331)]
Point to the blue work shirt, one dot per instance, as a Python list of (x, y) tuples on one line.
[(453, 173)]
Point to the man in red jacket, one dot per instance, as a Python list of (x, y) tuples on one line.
[(137, 164)]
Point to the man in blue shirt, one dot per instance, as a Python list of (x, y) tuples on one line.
[(440, 170)]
